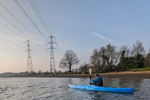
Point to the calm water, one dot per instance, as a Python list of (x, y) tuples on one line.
[(58, 89)]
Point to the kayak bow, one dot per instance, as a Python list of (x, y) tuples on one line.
[(104, 89)]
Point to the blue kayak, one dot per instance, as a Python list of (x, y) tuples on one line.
[(104, 89)]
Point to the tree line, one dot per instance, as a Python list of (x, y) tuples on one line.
[(110, 59)]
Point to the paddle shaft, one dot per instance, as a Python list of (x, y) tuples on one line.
[(90, 71), (90, 79)]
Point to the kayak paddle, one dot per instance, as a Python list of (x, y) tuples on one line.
[(90, 71)]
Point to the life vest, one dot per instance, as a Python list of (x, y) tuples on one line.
[(99, 84)]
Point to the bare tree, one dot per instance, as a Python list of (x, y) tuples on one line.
[(111, 55), (96, 59), (122, 57), (126, 49), (105, 58), (147, 59), (69, 59), (138, 49)]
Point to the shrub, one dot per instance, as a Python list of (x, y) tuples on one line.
[(135, 70), (93, 72), (74, 72)]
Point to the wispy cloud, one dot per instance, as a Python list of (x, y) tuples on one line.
[(101, 36)]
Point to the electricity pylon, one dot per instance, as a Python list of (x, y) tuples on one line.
[(29, 67), (52, 60)]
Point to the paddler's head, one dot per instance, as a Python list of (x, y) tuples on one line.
[(96, 76)]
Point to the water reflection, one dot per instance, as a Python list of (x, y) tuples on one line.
[(113, 82)]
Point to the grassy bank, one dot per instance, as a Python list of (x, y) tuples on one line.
[(140, 69)]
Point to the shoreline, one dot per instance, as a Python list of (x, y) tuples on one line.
[(127, 74)]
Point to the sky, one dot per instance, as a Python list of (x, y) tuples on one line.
[(78, 25)]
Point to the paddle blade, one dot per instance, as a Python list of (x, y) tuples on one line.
[(90, 71)]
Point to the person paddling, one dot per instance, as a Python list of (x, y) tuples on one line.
[(98, 80)]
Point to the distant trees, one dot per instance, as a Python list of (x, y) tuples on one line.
[(46, 73), (147, 59), (84, 68), (40, 72), (69, 59), (75, 70), (138, 49), (124, 61), (108, 59)]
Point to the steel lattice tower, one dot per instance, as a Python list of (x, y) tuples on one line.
[(52, 60), (29, 67)]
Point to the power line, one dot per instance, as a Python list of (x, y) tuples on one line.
[(16, 39), (35, 60), (13, 25), (43, 59), (19, 29), (11, 47), (59, 51), (21, 48), (20, 36), (22, 24), (46, 64), (42, 20), (30, 19), (57, 54), (20, 51), (39, 16), (18, 21), (57, 57), (10, 29), (10, 35), (39, 53), (10, 41), (23, 51)]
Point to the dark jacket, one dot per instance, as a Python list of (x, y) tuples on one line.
[(98, 81)]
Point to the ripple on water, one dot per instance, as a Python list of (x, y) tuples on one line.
[(58, 89)]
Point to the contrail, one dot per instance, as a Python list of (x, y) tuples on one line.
[(101, 36)]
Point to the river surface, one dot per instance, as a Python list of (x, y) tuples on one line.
[(58, 89)]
